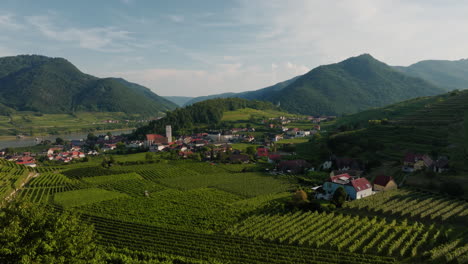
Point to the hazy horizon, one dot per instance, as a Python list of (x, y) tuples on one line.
[(181, 48)]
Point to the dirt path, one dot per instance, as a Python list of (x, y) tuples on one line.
[(13, 193)]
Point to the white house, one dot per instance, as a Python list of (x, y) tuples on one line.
[(354, 188)]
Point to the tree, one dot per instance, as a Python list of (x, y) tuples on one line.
[(339, 197), (59, 141), (149, 156), (92, 137), (250, 150), (36, 234)]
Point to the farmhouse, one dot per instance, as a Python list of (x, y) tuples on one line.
[(354, 188), (384, 183)]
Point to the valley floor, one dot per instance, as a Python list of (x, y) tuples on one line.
[(234, 213)]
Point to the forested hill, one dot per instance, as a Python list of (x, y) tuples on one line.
[(210, 112), (251, 95), (54, 85), (446, 74), (350, 86), (353, 85)]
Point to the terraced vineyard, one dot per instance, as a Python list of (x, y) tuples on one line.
[(12, 176), (416, 205), (340, 232), (231, 249), (219, 214)]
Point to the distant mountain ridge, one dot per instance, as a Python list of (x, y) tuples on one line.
[(350, 86), (178, 100), (251, 95), (448, 75), (54, 85)]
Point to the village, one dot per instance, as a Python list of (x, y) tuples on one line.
[(220, 146)]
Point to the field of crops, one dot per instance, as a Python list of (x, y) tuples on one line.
[(217, 213), (220, 247), (12, 176), (416, 205)]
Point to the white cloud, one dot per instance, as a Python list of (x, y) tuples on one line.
[(176, 18), (398, 32), (106, 39), (8, 22), (234, 77)]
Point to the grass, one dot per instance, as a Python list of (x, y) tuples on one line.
[(248, 113), (203, 210), (293, 140), (85, 196), (244, 184), (112, 178), (243, 146)]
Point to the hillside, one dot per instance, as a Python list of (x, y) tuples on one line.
[(437, 126), (251, 95), (54, 85), (353, 85), (350, 86), (448, 75), (190, 118)]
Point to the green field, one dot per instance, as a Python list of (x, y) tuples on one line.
[(219, 214), (246, 114), (36, 124), (85, 196)]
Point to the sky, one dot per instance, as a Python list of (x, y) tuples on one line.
[(202, 47)]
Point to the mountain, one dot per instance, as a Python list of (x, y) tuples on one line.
[(448, 75), (178, 100), (54, 85), (251, 95), (350, 86)]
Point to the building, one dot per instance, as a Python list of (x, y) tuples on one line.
[(152, 139), (169, 133), (354, 188), (384, 183)]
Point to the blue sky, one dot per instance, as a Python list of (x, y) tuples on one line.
[(203, 47)]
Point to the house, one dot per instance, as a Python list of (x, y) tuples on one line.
[(352, 173), (274, 158), (354, 188), (108, 147), (347, 164), (428, 162), (294, 166), (51, 151), (413, 162), (27, 161), (262, 152), (384, 183), (155, 139), (276, 138)]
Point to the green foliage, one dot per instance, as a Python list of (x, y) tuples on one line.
[(448, 75), (85, 196), (208, 112), (33, 234), (339, 197)]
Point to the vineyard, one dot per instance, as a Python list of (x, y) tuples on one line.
[(12, 176), (220, 214), (414, 204)]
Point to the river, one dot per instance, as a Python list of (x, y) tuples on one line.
[(32, 141)]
